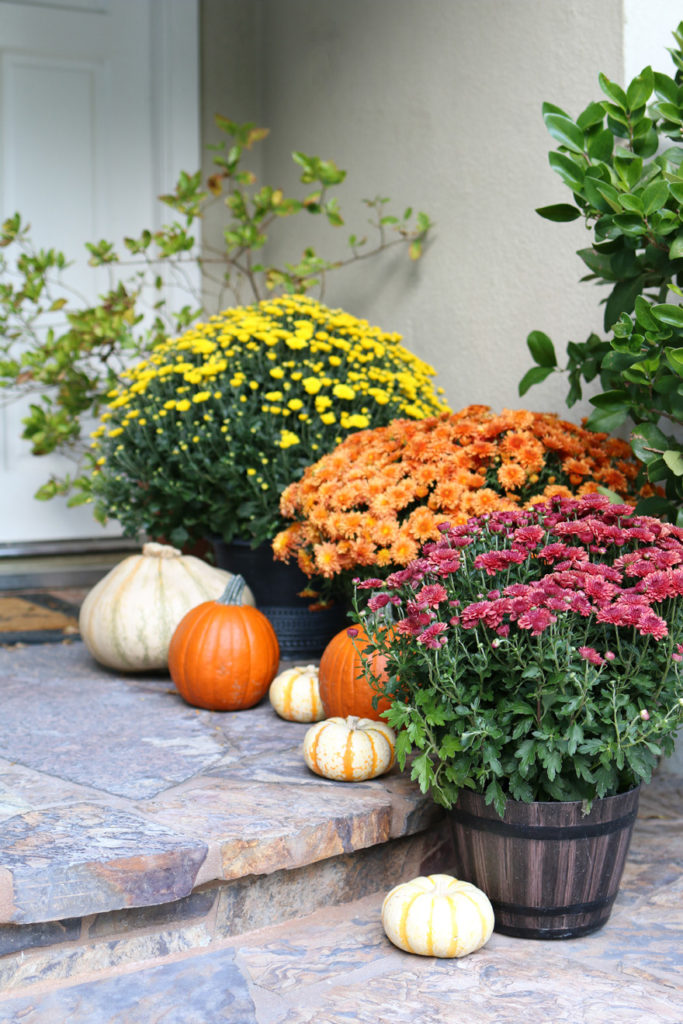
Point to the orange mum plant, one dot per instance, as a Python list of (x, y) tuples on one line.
[(381, 493)]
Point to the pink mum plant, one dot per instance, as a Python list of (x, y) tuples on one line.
[(535, 654)]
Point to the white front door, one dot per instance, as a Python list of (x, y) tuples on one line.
[(99, 110)]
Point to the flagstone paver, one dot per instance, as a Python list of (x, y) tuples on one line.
[(142, 842)]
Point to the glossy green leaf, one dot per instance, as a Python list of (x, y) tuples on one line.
[(674, 357), (600, 145), (629, 169), (643, 311), (640, 89), (655, 196), (565, 131), (674, 460), (550, 108), (592, 115), (670, 111), (615, 115), (607, 420), (667, 313), (648, 442), (634, 204), (542, 349), (559, 212), (676, 247), (610, 400), (570, 172), (613, 91), (536, 375), (665, 87), (610, 195)]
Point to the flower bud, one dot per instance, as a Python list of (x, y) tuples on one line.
[(645, 715)]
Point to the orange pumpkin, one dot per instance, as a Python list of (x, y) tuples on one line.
[(344, 687), (224, 655)]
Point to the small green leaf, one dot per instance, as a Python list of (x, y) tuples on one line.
[(676, 247), (648, 442), (559, 212), (607, 420), (535, 375), (565, 132), (655, 196), (600, 145), (667, 313), (674, 357), (542, 349), (614, 91), (674, 460), (592, 115), (640, 89), (570, 172)]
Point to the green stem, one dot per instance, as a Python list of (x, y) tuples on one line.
[(234, 591)]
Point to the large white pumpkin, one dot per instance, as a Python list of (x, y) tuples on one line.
[(437, 915), (128, 618)]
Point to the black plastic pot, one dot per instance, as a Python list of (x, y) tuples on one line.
[(301, 632)]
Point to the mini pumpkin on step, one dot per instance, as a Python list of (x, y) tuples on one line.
[(437, 915), (295, 694), (349, 749)]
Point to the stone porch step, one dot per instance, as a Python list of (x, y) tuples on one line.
[(135, 828), (335, 966)]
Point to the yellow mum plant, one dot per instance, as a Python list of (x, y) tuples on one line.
[(202, 437)]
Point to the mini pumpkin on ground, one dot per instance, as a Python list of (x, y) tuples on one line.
[(295, 694), (344, 686), (437, 915), (224, 655), (349, 749)]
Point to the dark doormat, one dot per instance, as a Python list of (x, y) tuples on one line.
[(39, 618)]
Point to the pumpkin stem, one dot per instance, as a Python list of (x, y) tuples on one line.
[(234, 591), (352, 721)]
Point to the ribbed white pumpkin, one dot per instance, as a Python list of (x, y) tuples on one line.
[(349, 749), (128, 618), (295, 695), (437, 916)]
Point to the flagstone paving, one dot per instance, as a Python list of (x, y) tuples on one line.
[(161, 863)]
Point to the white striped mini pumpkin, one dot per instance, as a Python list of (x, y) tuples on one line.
[(437, 915), (349, 749), (295, 694)]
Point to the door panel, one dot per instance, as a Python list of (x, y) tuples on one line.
[(89, 136)]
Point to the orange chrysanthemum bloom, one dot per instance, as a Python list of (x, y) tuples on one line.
[(381, 493), (511, 476)]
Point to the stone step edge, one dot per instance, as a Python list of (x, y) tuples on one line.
[(212, 915)]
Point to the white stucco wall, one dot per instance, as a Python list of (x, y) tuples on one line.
[(438, 105)]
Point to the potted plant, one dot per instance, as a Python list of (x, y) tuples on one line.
[(202, 436), (533, 659), (621, 159), (367, 506)]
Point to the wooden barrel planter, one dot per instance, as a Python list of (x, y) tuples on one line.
[(550, 871)]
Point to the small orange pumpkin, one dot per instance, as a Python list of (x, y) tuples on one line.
[(344, 687), (223, 654)]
